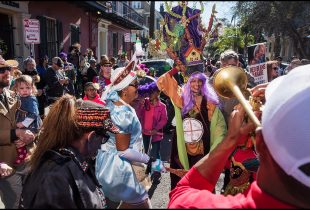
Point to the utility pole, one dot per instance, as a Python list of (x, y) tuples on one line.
[(152, 16)]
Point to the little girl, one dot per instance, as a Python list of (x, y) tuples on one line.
[(153, 117), (27, 116)]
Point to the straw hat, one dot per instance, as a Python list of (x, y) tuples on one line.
[(8, 63)]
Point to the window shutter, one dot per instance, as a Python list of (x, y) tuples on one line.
[(75, 34), (59, 35), (43, 36)]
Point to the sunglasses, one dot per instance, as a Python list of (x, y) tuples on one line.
[(106, 65), (3, 69)]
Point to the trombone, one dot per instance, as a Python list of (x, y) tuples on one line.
[(231, 81)]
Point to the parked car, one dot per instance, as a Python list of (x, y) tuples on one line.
[(160, 65)]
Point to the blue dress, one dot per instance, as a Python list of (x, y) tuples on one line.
[(119, 182)]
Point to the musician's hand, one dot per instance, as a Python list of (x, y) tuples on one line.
[(259, 90), (238, 129)]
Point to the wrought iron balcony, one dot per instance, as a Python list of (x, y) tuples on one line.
[(119, 10), (124, 10)]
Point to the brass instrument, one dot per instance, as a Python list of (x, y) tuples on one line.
[(231, 81)]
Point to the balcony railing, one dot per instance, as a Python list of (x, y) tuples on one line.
[(125, 11)]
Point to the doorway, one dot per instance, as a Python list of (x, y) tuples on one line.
[(6, 36)]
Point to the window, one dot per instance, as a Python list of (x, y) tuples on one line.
[(51, 36), (136, 4), (75, 34)]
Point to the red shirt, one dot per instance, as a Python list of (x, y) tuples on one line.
[(97, 99), (194, 191)]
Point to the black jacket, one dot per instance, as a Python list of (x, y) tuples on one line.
[(62, 180), (54, 88)]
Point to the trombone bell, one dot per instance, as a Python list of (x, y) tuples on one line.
[(223, 78), (231, 81)]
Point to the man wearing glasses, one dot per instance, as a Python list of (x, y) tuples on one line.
[(10, 139), (91, 93)]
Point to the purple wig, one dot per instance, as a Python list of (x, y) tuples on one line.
[(207, 92), (146, 89)]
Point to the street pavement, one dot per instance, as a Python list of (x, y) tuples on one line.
[(160, 197)]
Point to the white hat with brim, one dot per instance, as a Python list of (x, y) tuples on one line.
[(120, 78), (285, 122)]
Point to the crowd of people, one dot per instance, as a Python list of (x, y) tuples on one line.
[(101, 139)]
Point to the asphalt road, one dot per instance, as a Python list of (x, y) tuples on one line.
[(160, 196)]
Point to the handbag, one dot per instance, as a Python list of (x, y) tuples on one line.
[(196, 148), (144, 179)]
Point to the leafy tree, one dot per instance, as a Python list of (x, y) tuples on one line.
[(280, 18), (232, 38)]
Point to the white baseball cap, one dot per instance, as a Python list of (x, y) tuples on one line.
[(285, 122)]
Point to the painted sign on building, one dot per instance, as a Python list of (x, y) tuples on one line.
[(32, 31)]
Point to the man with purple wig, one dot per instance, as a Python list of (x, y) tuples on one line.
[(200, 125)]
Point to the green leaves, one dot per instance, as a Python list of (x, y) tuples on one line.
[(232, 38)]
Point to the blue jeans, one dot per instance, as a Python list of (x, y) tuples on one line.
[(154, 153)]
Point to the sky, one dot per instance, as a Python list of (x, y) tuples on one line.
[(222, 7)]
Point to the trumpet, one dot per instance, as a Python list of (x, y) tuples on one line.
[(231, 81)]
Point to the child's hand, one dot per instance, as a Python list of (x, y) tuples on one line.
[(20, 125), (153, 132), (19, 143), (5, 170)]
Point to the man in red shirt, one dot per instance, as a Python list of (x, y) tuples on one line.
[(91, 94), (282, 141)]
